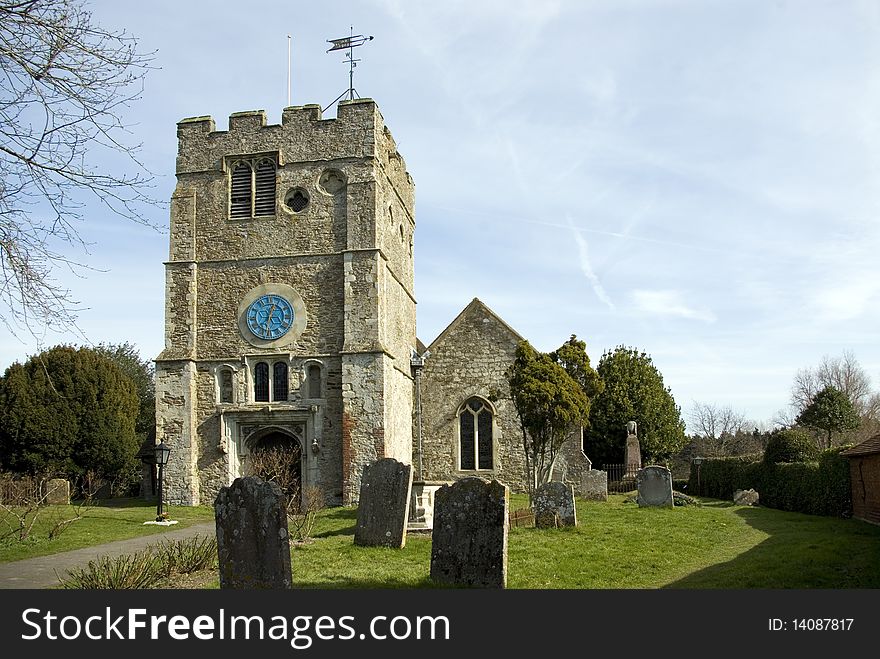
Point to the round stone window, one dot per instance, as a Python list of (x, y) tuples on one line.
[(296, 199)]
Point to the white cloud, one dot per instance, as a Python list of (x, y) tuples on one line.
[(669, 303), (587, 268)]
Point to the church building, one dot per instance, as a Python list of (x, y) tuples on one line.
[(290, 317)]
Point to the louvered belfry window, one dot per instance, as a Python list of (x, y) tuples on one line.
[(264, 187), (252, 188)]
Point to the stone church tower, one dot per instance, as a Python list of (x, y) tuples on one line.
[(289, 313)]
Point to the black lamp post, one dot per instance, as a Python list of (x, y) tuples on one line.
[(162, 452), (697, 461)]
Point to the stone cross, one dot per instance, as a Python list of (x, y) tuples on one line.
[(253, 547), (469, 543), (554, 505), (655, 487), (383, 507)]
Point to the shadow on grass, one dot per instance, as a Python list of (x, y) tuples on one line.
[(347, 583), (342, 520), (801, 551)]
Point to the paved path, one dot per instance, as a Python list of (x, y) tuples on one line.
[(40, 572)]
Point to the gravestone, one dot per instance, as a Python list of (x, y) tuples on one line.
[(469, 542), (654, 484), (383, 506), (554, 505), (253, 547), (746, 497), (594, 485), (57, 492)]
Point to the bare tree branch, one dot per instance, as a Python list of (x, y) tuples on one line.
[(64, 83)]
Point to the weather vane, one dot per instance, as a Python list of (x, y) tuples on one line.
[(348, 43)]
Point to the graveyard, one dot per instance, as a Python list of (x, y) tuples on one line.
[(615, 545)]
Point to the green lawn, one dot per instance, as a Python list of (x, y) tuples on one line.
[(615, 545), (116, 519), (619, 545)]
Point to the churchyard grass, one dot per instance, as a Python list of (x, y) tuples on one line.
[(619, 545), (114, 519), (615, 545)]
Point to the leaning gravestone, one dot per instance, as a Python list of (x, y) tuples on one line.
[(469, 542), (554, 505), (57, 492), (253, 548), (383, 507), (655, 487)]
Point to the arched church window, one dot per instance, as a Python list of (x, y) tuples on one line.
[(261, 382), (226, 385), (279, 381), (475, 435), (252, 188), (314, 380)]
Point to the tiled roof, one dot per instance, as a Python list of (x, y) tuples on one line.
[(867, 447)]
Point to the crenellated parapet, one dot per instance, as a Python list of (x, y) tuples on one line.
[(358, 131)]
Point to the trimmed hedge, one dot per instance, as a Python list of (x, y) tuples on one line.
[(791, 445), (815, 488)]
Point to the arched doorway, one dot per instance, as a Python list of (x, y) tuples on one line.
[(277, 456)]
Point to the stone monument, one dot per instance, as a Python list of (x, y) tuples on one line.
[(655, 487), (633, 456), (554, 505), (469, 542), (384, 504), (57, 492), (253, 547)]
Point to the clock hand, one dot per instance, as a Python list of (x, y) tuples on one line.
[(269, 320)]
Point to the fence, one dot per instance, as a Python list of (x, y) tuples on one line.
[(618, 479), (522, 517), (14, 491)]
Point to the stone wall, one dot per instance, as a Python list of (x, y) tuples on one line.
[(470, 358), (350, 264)]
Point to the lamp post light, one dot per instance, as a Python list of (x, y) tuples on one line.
[(698, 461), (162, 452), (417, 363)]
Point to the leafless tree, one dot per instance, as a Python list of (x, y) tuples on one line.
[(64, 85), (843, 373), (716, 422)]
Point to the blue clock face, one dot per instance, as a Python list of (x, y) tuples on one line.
[(269, 317)]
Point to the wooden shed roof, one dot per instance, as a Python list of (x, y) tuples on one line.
[(867, 447)]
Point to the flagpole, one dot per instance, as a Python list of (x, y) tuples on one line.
[(288, 70)]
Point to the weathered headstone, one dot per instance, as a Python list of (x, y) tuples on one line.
[(57, 492), (594, 485), (383, 506), (253, 546), (746, 497), (554, 505), (654, 484), (469, 542)]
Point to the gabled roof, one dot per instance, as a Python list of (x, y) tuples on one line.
[(867, 447), (475, 305)]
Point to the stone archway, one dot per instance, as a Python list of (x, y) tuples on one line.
[(277, 456)]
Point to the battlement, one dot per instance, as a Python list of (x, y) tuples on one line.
[(358, 131)]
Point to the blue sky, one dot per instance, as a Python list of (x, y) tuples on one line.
[(695, 178)]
